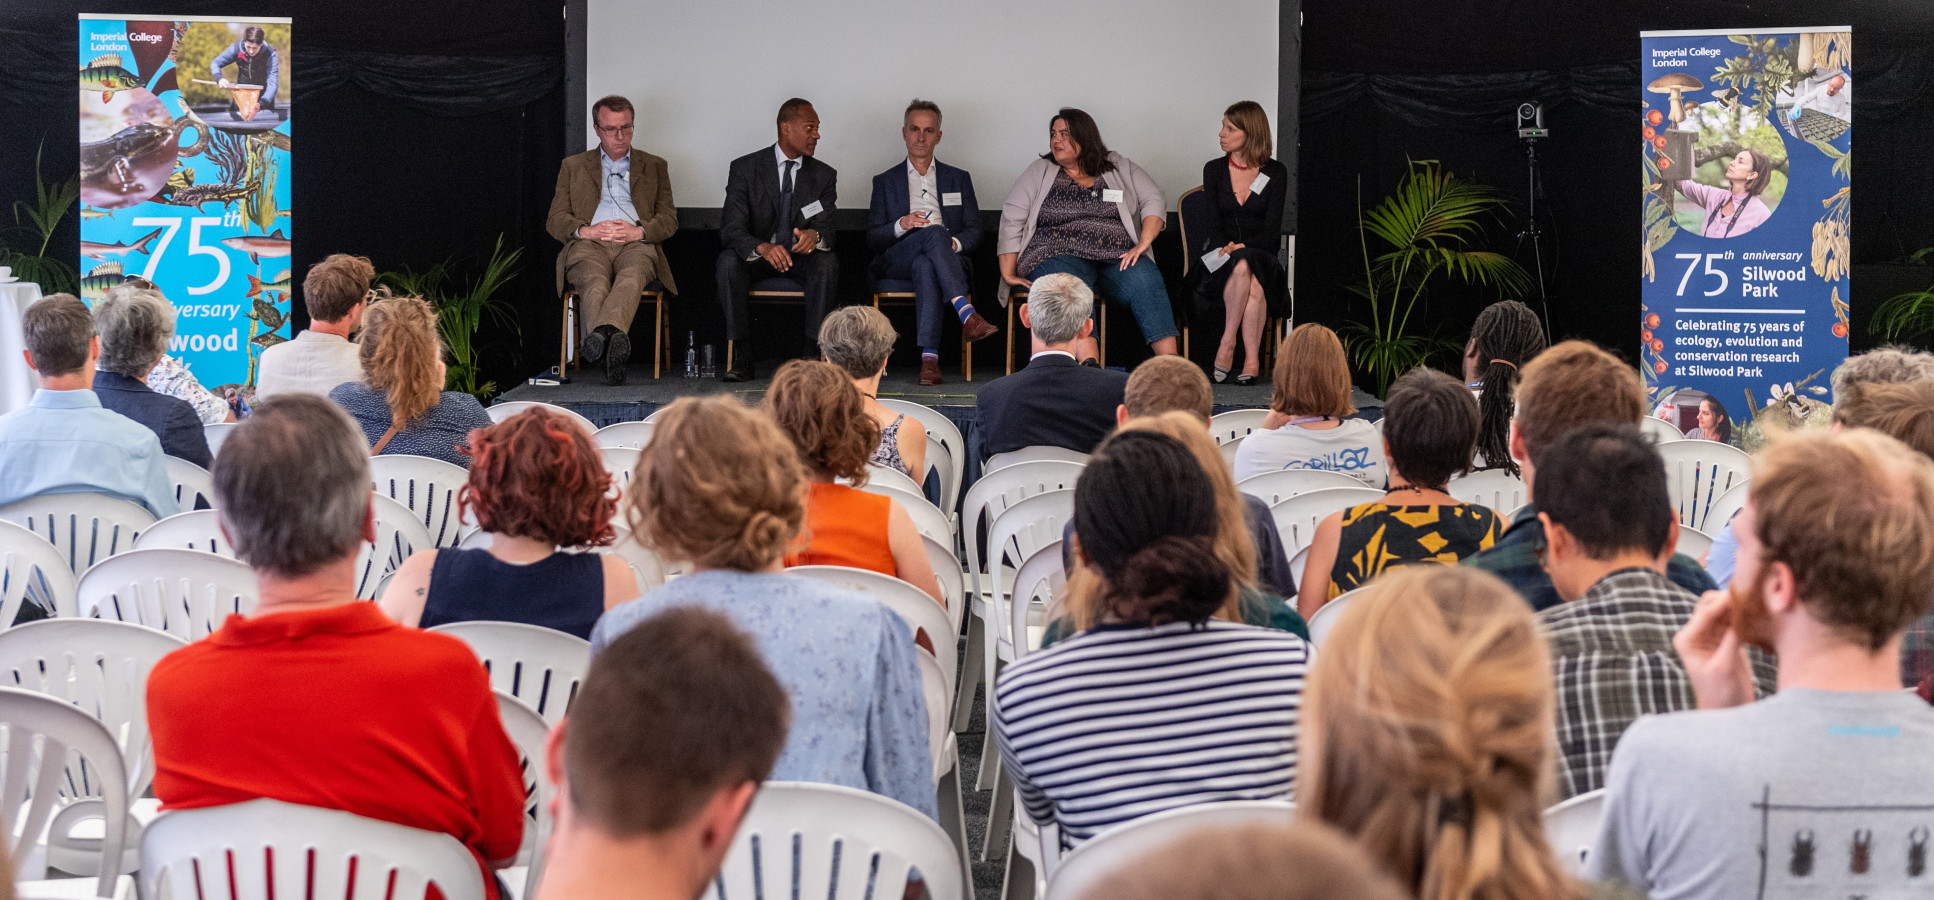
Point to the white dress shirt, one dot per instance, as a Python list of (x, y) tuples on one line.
[(779, 166), (923, 194), (614, 198), (314, 362)]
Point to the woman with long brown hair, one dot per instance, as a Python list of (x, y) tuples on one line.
[(400, 403), (1248, 193)]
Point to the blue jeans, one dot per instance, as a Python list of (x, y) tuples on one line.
[(1140, 288)]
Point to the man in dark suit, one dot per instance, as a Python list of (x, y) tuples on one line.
[(778, 223), (923, 222), (613, 208), (1054, 401)]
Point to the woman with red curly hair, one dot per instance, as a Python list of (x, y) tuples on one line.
[(537, 485)]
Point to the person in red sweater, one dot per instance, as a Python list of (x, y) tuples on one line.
[(317, 697)]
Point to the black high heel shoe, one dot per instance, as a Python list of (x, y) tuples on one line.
[(1221, 375), (1245, 380)]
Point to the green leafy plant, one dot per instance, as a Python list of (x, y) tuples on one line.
[(1429, 225), (43, 216), (1906, 317), (461, 310)]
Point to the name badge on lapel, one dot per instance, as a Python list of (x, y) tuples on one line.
[(812, 209), (951, 198), (1262, 181), (1110, 195)]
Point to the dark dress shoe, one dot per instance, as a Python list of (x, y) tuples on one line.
[(739, 372), (1091, 363), (930, 371), (617, 352), (976, 328), (591, 349), (1245, 380)]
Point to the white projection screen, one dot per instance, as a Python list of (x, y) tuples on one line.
[(707, 78)]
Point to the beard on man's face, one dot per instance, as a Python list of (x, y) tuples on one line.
[(1751, 621)]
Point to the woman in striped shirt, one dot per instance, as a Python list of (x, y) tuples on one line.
[(1160, 705)]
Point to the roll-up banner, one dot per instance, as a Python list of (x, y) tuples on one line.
[(1746, 186), (184, 133)]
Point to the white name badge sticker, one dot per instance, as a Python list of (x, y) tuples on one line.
[(951, 198), (812, 209), (1214, 259), (1110, 195), (1262, 181)]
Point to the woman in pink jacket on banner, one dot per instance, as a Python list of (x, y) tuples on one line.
[(1737, 209)]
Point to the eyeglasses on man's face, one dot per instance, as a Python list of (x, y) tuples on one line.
[(614, 129)]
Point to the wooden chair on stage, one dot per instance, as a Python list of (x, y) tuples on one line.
[(769, 290), (1018, 296), (572, 330), (900, 292)]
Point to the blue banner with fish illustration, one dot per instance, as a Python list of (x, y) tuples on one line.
[(1747, 183), (185, 145)]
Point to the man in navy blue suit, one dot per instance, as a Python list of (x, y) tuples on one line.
[(923, 222), (1054, 401)]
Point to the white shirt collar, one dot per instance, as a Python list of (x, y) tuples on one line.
[(933, 168), (1050, 353), (779, 153)]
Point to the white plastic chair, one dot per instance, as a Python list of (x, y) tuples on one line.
[(199, 529), (1494, 488), (428, 487), (910, 603), (1039, 577), (658, 413), (1724, 507), (1572, 826), (1297, 562), (30, 567), (504, 409), (216, 434), (634, 435), (1106, 853), (540, 666), (1694, 543), (32, 776), (398, 534), (190, 482), (927, 518), (528, 732), (1282, 484), (940, 430), (891, 477), (1659, 430), (1036, 453), (1697, 473), (1019, 536), (186, 593), (314, 850), (1228, 452), (946, 568), (1236, 424), (831, 835), (85, 528), (621, 462), (1297, 517), (1326, 616), (647, 567)]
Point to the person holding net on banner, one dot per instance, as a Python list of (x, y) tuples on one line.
[(255, 65)]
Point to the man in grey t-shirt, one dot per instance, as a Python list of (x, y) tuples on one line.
[(1825, 790)]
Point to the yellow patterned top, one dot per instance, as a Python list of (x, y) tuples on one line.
[(1377, 536)]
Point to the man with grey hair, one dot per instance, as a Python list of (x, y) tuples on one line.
[(64, 441), (424, 746), (1053, 401), (134, 326)]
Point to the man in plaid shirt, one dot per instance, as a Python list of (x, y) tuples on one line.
[(1608, 527)]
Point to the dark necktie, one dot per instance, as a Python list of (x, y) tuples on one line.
[(782, 231)]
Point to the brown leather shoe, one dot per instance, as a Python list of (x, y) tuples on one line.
[(930, 370), (976, 328)]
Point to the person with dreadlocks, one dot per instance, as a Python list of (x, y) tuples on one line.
[(537, 486), (1505, 337)]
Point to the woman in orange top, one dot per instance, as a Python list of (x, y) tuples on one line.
[(818, 407)]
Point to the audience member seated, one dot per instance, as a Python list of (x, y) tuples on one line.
[(1052, 401), (1609, 528), (536, 486), (169, 376), (321, 357), (1088, 212), (1304, 861), (1429, 430), (670, 734), (316, 697), (1307, 427), (1822, 789), (1123, 720), (1251, 600), (1572, 384), (1507, 335), (816, 405), (134, 327), (1428, 737), (720, 487), (64, 441), (1248, 192), (1904, 412), (858, 339), (400, 402)]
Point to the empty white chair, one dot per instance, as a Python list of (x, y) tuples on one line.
[(1659, 430), (540, 666), (1698, 473), (1326, 616), (1297, 517), (316, 853), (1020, 534), (528, 731), (428, 487), (32, 775), (1108, 852), (1236, 424), (1694, 543), (1572, 826), (32, 568), (216, 434), (1037, 453), (186, 593), (825, 835), (1039, 577), (504, 409), (942, 431), (398, 534), (634, 435), (1494, 488), (199, 529), (190, 482), (85, 528), (1275, 487)]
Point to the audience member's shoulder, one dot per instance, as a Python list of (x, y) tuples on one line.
[(459, 400)]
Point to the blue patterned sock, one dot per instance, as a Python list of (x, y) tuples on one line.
[(929, 352), (963, 308)]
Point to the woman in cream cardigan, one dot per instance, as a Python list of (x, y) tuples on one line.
[(1094, 214)]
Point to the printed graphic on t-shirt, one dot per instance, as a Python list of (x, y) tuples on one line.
[(1856, 852), (1347, 460)]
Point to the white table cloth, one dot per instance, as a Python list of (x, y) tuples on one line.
[(17, 381)]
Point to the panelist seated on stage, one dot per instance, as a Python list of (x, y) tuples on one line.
[(923, 222), (1084, 210), (1054, 401), (613, 208), (336, 290), (778, 223)]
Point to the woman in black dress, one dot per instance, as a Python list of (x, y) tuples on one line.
[(1245, 226)]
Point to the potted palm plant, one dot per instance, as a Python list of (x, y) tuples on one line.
[(461, 310)]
